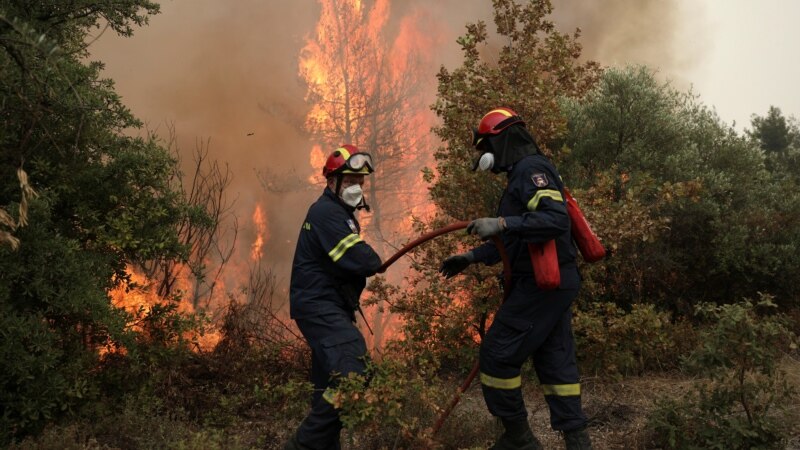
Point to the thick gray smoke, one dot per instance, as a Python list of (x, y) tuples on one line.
[(227, 72)]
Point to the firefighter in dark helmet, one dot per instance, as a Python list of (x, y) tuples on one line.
[(531, 322), (331, 264)]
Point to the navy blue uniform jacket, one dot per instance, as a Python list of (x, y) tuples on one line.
[(331, 262), (534, 208)]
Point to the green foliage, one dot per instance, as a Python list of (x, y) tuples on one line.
[(533, 68), (742, 404), (105, 203), (616, 343), (773, 132), (139, 421), (53, 315), (779, 137), (669, 187), (394, 400), (628, 121), (289, 396)]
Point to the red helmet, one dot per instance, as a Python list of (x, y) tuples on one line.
[(348, 159), (494, 122)]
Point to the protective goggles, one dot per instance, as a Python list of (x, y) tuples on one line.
[(359, 163)]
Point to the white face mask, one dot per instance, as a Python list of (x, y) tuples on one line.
[(486, 162), (352, 195)]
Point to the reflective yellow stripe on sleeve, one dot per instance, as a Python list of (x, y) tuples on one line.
[(549, 193), (349, 241), (501, 383), (562, 390)]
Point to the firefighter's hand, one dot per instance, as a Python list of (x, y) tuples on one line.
[(454, 265), (486, 227)]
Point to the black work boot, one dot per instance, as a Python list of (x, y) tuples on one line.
[(578, 439), (518, 436)]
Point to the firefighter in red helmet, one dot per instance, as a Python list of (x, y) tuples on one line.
[(329, 271), (349, 166), (533, 322)]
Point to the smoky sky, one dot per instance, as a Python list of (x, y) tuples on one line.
[(226, 72)]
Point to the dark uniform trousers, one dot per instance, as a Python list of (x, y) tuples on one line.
[(337, 349), (532, 323)]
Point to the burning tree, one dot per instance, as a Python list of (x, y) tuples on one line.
[(208, 230), (367, 91)]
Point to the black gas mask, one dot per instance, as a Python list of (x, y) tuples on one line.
[(501, 151)]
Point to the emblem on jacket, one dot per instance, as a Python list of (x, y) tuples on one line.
[(352, 225), (539, 180)]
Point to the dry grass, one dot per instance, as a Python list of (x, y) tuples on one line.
[(618, 413)]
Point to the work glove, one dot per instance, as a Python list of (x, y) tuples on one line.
[(456, 264), (486, 227)]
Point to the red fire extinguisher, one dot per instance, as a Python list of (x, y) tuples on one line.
[(588, 243), (544, 259)]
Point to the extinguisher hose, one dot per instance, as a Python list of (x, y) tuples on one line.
[(506, 290)]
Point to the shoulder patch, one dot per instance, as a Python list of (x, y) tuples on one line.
[(352, 225), (540, 180)]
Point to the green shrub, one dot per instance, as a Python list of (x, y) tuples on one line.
[(740, 404), (394, 403), (613, 342)]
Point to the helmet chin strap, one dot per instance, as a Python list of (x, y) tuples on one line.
[(336, 191)]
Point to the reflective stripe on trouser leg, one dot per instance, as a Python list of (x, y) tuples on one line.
[(503, 395), (521, 326), (562, 390), (558, 373), (500, 374), (501, 383), (565, 411)]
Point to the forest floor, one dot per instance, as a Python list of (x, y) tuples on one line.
[(618, 413)]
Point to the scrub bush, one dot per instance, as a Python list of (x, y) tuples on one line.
[(613, 342), (740, 405)]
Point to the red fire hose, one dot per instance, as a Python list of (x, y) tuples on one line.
[(506, 290)]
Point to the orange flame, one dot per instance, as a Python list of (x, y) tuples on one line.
[(142, 298), (367, 89), (262, 233), (317, 160)]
